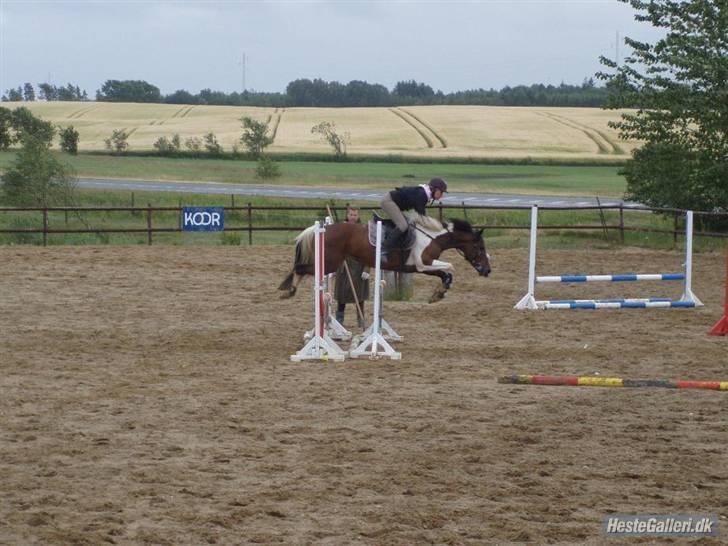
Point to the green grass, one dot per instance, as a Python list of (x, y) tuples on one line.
[(541, 179)]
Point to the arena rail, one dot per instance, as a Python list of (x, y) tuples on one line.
[(152, 224)]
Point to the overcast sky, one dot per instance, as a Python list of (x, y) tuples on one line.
[(192, 45)]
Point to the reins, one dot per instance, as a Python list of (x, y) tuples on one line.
[(433, 238)]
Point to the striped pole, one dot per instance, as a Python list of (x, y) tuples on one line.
[(721, 327), (591, 381), (687, 300)]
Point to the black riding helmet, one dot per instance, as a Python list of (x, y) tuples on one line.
[(438, 184)]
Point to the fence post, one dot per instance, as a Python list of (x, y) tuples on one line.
[(232, 200), (621, 222), (674, 233), (439, 212), (149, 223), (250, 224), (45, 226)]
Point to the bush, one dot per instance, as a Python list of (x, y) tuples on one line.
[(193, 144), (117, 141), (212, 145), (163, 146), (69, 139), (267, 169)]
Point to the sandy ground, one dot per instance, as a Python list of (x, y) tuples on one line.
[(148, 398)]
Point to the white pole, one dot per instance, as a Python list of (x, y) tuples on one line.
[(318, 251), (529, 300), (532, 252), (377, 285), (688, 287)]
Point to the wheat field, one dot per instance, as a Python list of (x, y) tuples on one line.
[(418, 131)]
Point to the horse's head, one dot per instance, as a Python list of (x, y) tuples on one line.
[(470, 243)]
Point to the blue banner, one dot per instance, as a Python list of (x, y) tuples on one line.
[(203, 218)]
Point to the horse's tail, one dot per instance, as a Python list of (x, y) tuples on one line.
[(304, 256)]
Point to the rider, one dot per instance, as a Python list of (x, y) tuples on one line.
[(408, 198)]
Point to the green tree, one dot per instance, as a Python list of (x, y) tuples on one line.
[(25, 125), (6, 125), (69, 139), (338, 141), (255, 136), (212, 146), (28, 92), (48, 91), (117, 142), (37, 178), (679, 86), (163, 146), (193, 144), (128, 91), (15, 95)]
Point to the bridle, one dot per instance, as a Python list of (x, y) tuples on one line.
[(473, 261)]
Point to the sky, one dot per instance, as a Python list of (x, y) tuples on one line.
[(192, 45)]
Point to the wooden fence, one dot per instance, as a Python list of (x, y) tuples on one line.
[(248, 225)]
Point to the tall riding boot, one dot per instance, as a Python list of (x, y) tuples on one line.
[(395, 239), (340, 316)]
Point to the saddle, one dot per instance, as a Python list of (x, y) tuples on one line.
[(387, 227)]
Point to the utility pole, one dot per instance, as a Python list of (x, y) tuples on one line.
[(244, 59), (616, 50)]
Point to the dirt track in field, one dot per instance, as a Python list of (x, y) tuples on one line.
[(148, 398)]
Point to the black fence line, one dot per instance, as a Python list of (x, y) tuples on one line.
[(150, 229)]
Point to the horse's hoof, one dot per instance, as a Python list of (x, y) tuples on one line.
[(436, 296), (291, 292)]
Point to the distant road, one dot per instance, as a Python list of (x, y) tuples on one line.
[(293, 192)]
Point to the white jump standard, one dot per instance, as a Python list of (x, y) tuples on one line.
[(374, 345), (320, 346), (332, 326), (688, 299)]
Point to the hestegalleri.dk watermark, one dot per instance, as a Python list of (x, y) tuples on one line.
[(665, 525)]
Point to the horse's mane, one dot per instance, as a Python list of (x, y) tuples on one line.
[(427, 223), (461, 225)]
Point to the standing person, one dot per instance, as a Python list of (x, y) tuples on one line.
[(408, 198), (343, 293)]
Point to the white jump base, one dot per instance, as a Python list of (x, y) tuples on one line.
[(687, 300)]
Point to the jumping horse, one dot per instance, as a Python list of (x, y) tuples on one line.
[(432, 238)]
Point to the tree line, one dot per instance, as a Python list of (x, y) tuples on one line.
[(328, 94)]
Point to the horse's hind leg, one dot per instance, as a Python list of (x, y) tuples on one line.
[(293, 279)]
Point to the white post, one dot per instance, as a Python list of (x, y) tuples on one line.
[(529, 300), (320, 346), (332, 326), (374, 339), (688, 286)]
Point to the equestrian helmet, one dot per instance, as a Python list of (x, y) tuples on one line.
[(438, 184)]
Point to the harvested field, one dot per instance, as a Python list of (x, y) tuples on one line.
[(579, 134), (148, 398)]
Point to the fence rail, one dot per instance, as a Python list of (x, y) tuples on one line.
[(247, 210)]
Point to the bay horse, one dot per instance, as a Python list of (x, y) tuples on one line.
[(432, 238)]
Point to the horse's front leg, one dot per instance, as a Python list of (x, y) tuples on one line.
[(446, 278)]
